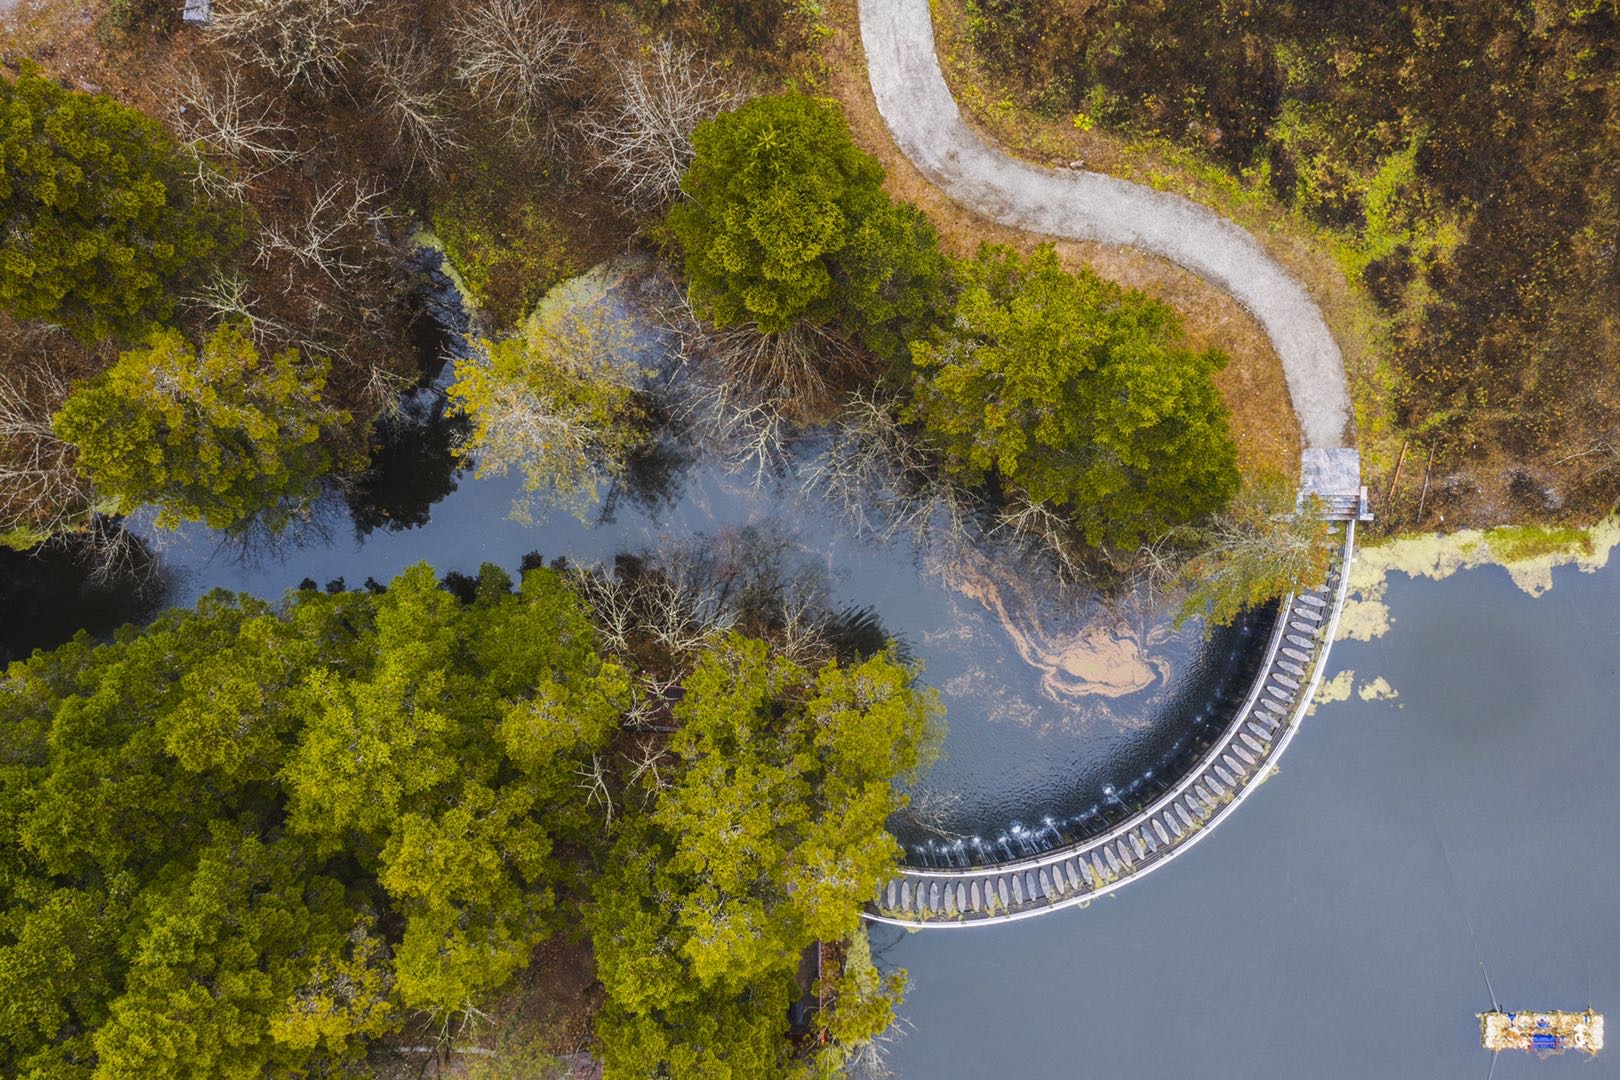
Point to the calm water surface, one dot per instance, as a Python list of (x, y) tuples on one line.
[(1061, 709), (1320, 934)]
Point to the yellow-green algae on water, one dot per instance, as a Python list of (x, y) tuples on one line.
[(1529, 553)]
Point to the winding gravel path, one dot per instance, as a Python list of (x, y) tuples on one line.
[(920, 112)]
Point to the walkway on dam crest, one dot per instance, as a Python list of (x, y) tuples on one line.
[(924, 119)]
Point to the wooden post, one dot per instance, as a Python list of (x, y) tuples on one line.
[(1396, 479), (1425, 493)]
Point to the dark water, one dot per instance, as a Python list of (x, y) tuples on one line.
[(1320, 933), (1013, 752), (48, 595), (1062, 710)]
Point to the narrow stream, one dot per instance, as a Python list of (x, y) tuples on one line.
[(1063, 710)]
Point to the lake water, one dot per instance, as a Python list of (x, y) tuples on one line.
[(1325, 931)]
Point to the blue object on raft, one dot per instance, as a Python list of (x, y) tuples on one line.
[(1543, 1042)]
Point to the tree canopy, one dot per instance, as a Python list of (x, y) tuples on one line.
[(1077, 393), (216, 434), (772, 838), (100, 223), (253, 838), (786, 219), (557, 400), (242, 841)]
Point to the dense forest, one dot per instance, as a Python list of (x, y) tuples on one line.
[(253, 839), (1465, 153)]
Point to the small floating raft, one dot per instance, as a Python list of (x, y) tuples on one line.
[(1543, 1032)]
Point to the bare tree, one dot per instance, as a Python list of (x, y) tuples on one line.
[(227, 124), (747, 432), (642, 133), (645, 766), (1048, 533), (681, 619), (41, 492), (328, 275), (514, 54), (410, 95), (299, 42), (593, 780), (803, 628), (43, 496), (333, 234), (746, 391), (932, 810), (225, 295), (1156, 569), (611, 605), (887, 482), (674, 606)]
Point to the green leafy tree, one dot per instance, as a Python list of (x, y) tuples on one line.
[(217, 434), (222, 946), (896, 283), (771, 838), (787, 220), (1267, 544), (860, 1007), (1078, 394), (557, 401), (244, 841), (100, 222)]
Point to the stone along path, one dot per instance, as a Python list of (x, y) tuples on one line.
[(929, 129), (923, 117)]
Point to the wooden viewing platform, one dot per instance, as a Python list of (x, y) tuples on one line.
[(1238, 761)]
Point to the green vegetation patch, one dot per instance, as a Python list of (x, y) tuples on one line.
[(216, 434), (100, 223), (1521, 543), (252, 839), (1076, 393), (508, 257), (787, 221)]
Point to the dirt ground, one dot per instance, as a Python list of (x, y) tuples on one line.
[(538, 1029)]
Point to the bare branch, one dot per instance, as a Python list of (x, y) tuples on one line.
[(885, 481), (746, 391), (1051, 534), (331, 234), (643, 134), (644, 766), (593, 779), (225, 120), (299, 42), (41, 491), (514, 54), (410, 96)]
